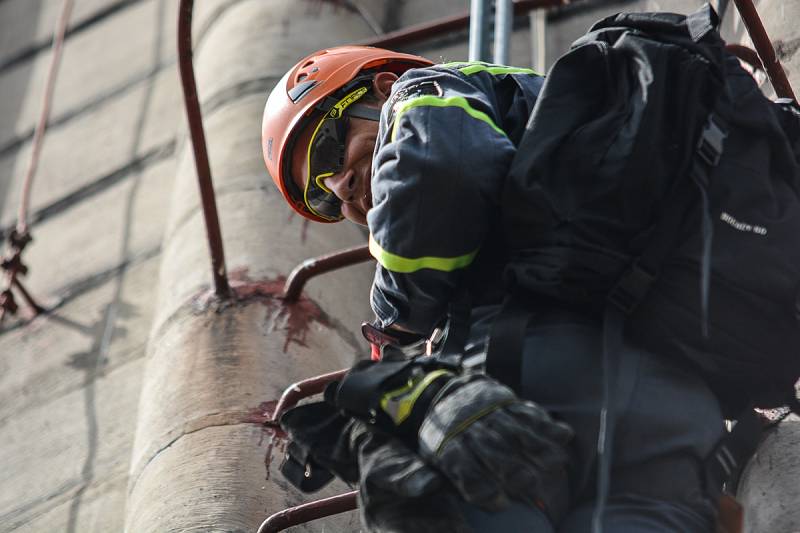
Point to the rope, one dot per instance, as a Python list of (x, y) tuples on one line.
[(41, 125), (20, 237)]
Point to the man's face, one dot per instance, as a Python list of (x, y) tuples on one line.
[(352, 184)]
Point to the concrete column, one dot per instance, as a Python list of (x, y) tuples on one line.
[(769, 488), (201, 460)]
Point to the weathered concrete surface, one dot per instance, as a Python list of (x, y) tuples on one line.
[(122, 49), (769, 487), (133, 212), (43, 361), (101, 144), (38, 19), (83, 434), (209, 369), (100, 511), (70, 381)]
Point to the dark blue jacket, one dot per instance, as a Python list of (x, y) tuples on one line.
[(447, 136)]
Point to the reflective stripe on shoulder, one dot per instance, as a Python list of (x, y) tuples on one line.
[(473, 67), (436, 101), (407, 265)]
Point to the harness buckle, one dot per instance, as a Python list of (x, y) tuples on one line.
[(711, 142), (631, 288)]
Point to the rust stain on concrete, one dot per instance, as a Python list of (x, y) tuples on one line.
[(275, 437), (294, 319)]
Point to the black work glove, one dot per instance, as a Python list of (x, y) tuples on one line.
[(399, 492), (494, 447), (391, 396), (320, 446)]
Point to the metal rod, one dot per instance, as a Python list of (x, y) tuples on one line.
[(303, 389), (480, 12), (746, 54), (37, 309), (319, 265), (538, 27), (429, 30), (309, 511), (197, 135), (772, 65), (44, 114), (503, 20)]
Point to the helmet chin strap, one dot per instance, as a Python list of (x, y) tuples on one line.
[(354, 110), (364, 111)]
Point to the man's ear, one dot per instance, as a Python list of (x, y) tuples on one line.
[(382, 85)]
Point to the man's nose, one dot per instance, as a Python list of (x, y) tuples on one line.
[(342, 184)]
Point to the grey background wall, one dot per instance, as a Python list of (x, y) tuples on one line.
[(134, 402)]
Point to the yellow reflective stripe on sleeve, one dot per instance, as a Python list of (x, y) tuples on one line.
[(471, 67), (407, 265), (496, 70), (436, 101)]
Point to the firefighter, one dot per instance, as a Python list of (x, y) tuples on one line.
[(418, 152)]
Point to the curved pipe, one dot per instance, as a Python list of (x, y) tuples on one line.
[(198, 138), (746, 54), (309, 511), (319, 265), (303, 389)]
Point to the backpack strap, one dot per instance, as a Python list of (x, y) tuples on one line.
[(506, 342), (457, 330), (634, 284)]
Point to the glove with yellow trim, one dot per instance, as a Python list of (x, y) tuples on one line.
[(494, 447), (392, 396)]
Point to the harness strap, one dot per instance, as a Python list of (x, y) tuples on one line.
[(725, 462), (506, 342)]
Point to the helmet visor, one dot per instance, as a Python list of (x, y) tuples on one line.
[(326, 158)]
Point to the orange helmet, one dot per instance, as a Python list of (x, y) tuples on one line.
[(311, 88)]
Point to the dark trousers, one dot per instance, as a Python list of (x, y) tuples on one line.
[(666, 425)]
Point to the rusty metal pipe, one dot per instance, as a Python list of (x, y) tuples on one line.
[(319, 265), (746, 54), (303, 389), (309, 511), (772, 65), (198, 138), (428, 30)]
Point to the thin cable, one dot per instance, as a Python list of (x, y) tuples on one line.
[(41, 126), (368, 18)]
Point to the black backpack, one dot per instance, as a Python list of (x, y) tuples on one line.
[(656, 176)]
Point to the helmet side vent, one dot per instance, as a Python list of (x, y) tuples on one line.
[(297, 92)]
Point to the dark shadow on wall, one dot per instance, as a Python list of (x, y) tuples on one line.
[(105, 329), (14, 98)]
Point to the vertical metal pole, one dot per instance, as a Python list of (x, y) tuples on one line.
[(480, 14), (503, 26), (198, 138), (538, 40), (772, 65)]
